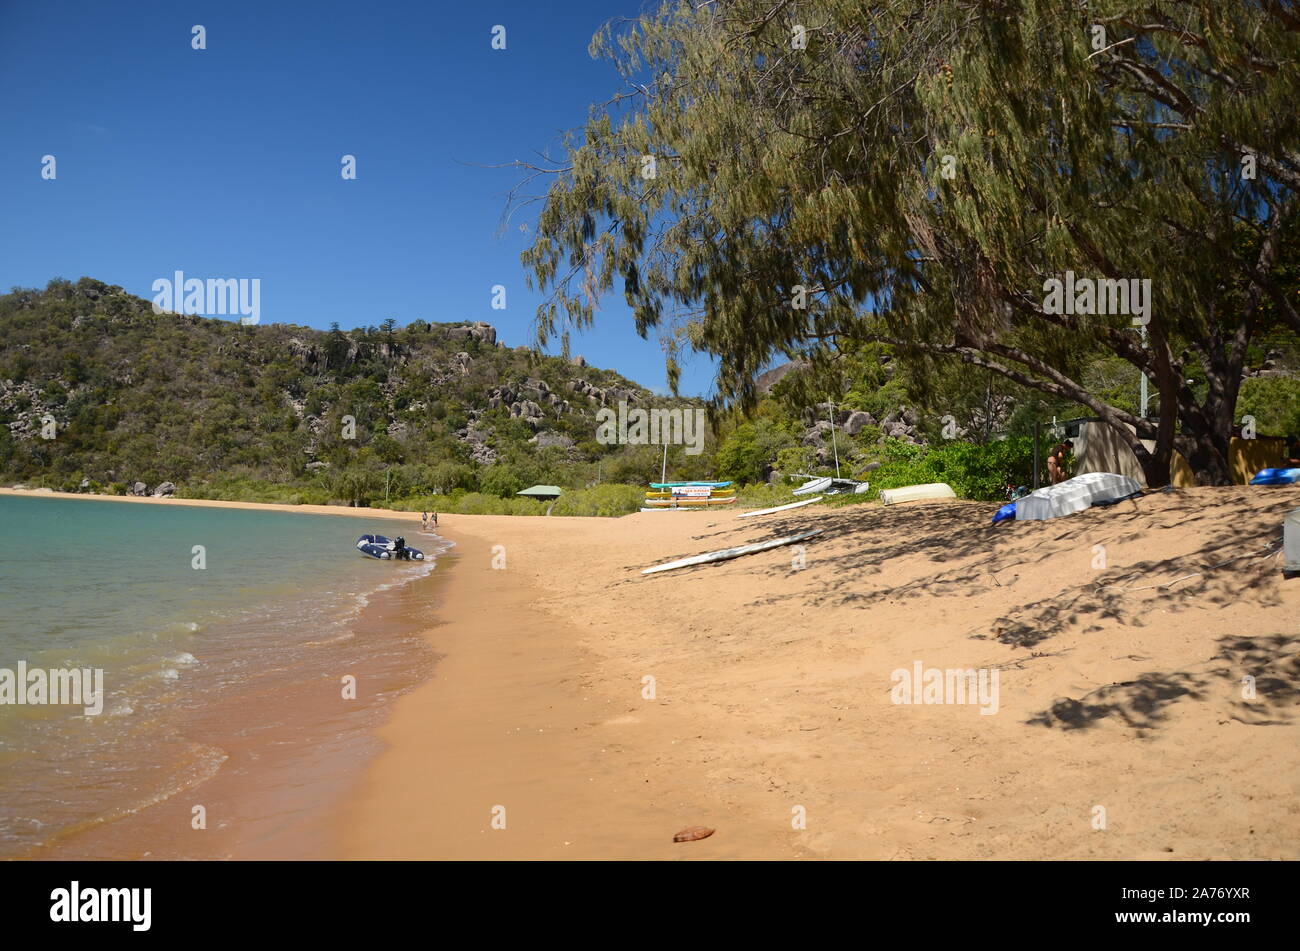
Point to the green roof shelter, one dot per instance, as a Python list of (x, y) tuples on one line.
[(541, 492)]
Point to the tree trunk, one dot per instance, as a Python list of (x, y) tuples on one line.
[(1208, 457), (1207, 427)]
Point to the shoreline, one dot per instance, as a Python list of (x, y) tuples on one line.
[(218, 503), (771, 717), (518, 714), (249, 751)]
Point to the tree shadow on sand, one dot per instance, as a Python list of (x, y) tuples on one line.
[(1234, 563), (951, 550), (1144, 704)]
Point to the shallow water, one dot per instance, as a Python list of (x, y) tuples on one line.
[(224, 679)]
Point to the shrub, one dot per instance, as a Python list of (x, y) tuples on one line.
[(974, 471), (1274, 401), (763, 495), (500, 480), (607, 500)]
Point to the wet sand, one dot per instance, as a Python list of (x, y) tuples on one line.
[(269, 756)]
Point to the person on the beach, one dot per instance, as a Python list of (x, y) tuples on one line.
[(1056, 461), (435, 519), (424, 521), (1292, 460)]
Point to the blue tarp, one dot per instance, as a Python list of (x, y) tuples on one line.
[(1276, 477), (1007, 511)]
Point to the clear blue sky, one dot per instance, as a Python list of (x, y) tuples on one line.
[(225, 162)]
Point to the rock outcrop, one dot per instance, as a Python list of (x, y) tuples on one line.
[(772, 377), (549, 440), (478, 330)]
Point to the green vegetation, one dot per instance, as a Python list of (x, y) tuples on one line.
[(1274, 402), (974, 472), (258, 413), (264, 413), (834, 177)]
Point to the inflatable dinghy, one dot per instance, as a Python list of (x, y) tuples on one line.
[(380, 546)]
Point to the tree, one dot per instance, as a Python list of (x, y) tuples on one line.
[(500, 479), (358, 483), (746, 454), (916, 172), (446, 476), (336, 349)]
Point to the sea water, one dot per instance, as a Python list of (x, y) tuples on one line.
[(245, 654)]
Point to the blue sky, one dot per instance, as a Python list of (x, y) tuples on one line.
[(225, 162)]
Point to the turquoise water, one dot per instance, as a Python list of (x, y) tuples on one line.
[(260, 629)]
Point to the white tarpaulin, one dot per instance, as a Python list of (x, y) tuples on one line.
[(1291, 540), (1075, 495)]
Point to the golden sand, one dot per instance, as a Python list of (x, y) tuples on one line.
[(1122, 730)]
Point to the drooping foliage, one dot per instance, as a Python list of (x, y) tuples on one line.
[(781, 178)]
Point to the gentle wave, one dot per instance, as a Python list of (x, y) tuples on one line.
[(257, 625)]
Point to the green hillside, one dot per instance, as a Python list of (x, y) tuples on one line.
[(224, 410)]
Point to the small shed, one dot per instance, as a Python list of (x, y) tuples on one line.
[(1099, 448), (541, 492)]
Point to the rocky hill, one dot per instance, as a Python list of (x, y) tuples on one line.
[(97, 391)]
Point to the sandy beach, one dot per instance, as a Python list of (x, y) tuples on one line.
[(221, 504), (1121, 732), (1121, 637)]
